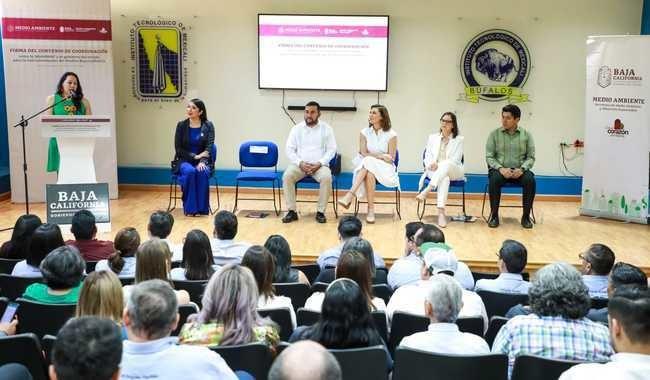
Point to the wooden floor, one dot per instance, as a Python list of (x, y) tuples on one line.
[(560, 233)]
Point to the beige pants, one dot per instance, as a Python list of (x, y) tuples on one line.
[(293, 174)]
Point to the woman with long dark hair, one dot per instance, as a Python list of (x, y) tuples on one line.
[(281, 251), (197, 261), (16, 248), (67, 100), (44, 240), (193, 141)]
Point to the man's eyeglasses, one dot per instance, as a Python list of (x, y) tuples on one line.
[(583, 257), (446, 121)]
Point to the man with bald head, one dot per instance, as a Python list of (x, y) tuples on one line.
[(305, 360)]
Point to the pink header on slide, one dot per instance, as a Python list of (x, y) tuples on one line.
[(55, 29), (339, 31)]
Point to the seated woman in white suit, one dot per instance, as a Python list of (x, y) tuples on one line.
[(442, 162)]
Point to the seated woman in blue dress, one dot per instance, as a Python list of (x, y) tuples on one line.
[(193, 141)]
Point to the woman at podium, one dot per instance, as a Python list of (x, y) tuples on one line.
[(68, 100), (194, 141)]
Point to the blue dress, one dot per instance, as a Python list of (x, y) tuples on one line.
[(194, 183)]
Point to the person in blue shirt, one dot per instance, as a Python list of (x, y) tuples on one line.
[(596, 263), (512, 261)]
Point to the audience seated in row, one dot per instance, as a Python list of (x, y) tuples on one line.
[(597, 262), (17, 247), (512, 261), (44, 240), (260, 261), (439, 260), (281, 251), (101, 296), (197, 264), (224, 247), (443, 302), (84, 230), (122, 261), (160, 227), (229, 312), (349, 226), (364, 247), (305, 360), (353, 265), (62, 269)]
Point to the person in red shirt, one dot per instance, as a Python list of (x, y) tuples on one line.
[(84, 230)]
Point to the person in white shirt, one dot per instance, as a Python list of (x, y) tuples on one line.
[(629, 328), (122, 262), (260, 261), (225, 249), (406, 269), (442, 304), (310, 147), (349, 227), (443, 162), (596, 263), (512, 261), (197, 264), (438, 259), (160, 226), (45, 239)]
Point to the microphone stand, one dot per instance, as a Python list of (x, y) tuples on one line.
[(23, 123)]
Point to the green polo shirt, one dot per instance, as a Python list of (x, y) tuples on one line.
[(39, 292), (516, 150)]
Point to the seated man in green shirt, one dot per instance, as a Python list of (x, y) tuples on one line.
[(510, 154)]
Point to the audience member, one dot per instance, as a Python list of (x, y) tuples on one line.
[(260, 261), (596, 264), (305, 360), (349, 226), (363, 247), (439, 259), (8, 328), (345, 320), (15, 371), (229, 314), (279, 248), (355, 266), (16, 248), (87, 348), (153, 261), (63, 270), (122, 261), (629, 331), (150, 316), (45, 239), (443, 302), (557, 328), (101, 296), (160, 227), (197, 264), (406, 269), (84, 230), (622, 274), (224, 247), (512, 261)]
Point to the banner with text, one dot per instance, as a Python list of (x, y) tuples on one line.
[(617, 121), (47, 53)]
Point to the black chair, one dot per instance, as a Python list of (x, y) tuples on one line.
[(281, 316), (501, 205), (381, 323), (531, 367), (413, 364), (194, 288), (398, 194), (90, 266), (254, 358), (493, 328), (173, 185), (4, 301), (405, 324), (48, 345), (319, 287), (473, 325), (310, 271), (498, 304), (296, 291), (41, 318), (13, 287), (362, 363), (599, 303), (24, 349), (382, 291), (335, 169), (457, 183), (184, 311), (7, 265), (305, 317)]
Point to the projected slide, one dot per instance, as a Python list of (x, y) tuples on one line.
[(323, 52)]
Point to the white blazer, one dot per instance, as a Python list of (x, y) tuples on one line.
[(454, 151)]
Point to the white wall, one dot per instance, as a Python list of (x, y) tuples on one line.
[(426, 41)]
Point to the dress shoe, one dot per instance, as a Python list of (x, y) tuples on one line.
[(320, 217), (290, 217), (346, 200), (494, 221), (525, 222)]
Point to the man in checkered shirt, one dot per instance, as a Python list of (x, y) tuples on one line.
[(557, 328)]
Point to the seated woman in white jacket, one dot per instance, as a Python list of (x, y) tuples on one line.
[(443, 162)]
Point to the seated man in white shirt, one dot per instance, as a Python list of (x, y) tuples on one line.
[(310, 147), (512, 261), (629, 328), (160, 226), (349, 226), (439, 260), (596, 263), (442, 304), (224, 248), (407, 269)]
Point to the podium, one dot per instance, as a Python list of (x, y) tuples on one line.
[(75, 137)]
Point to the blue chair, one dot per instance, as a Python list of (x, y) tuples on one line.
[(173, 185), (458, 183), (335, 168), (505, 186), (259, 154), (397, 202)]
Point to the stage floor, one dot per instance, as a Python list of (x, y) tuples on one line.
[(560, 233)]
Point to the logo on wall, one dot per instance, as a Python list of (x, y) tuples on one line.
[(618, 76), (495, 66), (159, 55), (618, 129)]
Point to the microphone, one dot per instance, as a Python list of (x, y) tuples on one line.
[(73, 95)]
